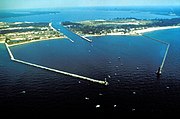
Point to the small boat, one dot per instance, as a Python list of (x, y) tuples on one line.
[(97, 106), (86, 98)]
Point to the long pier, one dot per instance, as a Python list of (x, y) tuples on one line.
[(10, 53), (159, 71), (155, 39), (54, 70), (85, 38), (50, 25), (69, 39)]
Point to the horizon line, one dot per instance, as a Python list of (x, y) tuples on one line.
[(88, 7)]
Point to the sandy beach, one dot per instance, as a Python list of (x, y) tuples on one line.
[(35, 41), (155, 29), (2, 42), (135, 32), (50, 25)]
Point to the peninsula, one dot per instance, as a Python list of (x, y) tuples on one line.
[(120, 26), (24, 32)]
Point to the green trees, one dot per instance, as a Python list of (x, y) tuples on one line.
[(125, 25), (7, 40)]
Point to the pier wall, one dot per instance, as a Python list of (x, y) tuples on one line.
[(54, 70), (165, 55)]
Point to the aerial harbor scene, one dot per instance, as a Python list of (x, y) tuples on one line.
[(90, 56)]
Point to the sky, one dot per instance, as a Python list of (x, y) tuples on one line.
[(26, 4)]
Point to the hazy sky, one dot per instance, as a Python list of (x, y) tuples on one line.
[(21, 4)]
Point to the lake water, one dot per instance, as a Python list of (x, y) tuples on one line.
[(129, 89)]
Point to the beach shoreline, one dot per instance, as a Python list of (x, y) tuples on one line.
[(32, 41), (155, 29), (2, 41), (133, 33), (38, 40)]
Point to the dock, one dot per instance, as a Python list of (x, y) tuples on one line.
[(54, 70)]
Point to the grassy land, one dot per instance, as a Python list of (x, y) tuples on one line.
[(117, 26), (19, 32)]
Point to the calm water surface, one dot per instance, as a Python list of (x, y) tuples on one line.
[(129, 90)]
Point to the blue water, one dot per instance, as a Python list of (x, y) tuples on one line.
[(128, 87), (77, 14)]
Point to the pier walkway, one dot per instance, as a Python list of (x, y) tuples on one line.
[(85, 38), (159, 71), (155, 39), (50, 25), (54, 70), (163, 61)]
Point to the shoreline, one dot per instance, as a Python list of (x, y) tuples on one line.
[(26, 42), (155, 29), (2, 41), (133, 33), (82, 36), (111, 34), (50, 25), (32, 41)]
